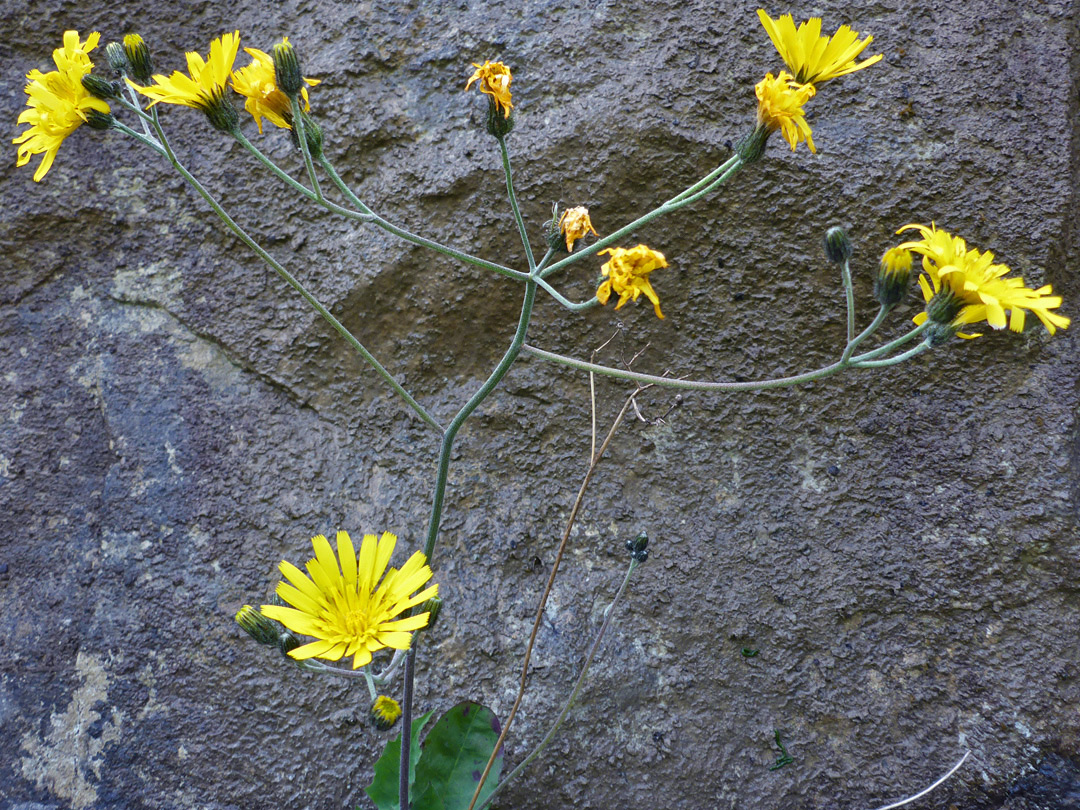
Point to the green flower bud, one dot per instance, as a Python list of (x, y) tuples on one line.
[(837, 245), (638, 547), (260, 628), (433, 607), (138, 57), (101, 88), (220, 112), (287, 68), (944, 306), (287, 642), (117, 59), (99, 120), (552, 233), (939, 333), (313, 134)]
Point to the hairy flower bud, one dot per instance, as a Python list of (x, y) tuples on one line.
[(894, 276), (313, 134), (95, 119), (138, 57), (638, 547), (752, 147), (837, 245), (100, 88), (498, 124), (287, 68), (260, 628), (117, 59)]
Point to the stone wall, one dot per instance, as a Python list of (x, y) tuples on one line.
[(901, 547)]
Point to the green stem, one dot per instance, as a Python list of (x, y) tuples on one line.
[(860, 361), (301, 138), (412, 237), (570, 305), (608, 614), (514, 204), (143, 139), (672, 205), (865, 333), (849, 294), (704, 181), (893, 344), (892, 361), (136, 106), (241, 234)]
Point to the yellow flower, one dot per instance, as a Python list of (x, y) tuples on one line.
[(978, 288), (574, 224), (495, 81), (627, 274), (258, 84), (58, 103), (204, 89), (780, 103), (346, 608), (814, 58)]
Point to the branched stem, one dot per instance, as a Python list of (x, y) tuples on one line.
[(242, 235)]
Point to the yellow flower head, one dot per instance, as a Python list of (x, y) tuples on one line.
[(814, 58), (978, 288), (574, 224), (627, 274), (58, 103), (780, 103), (204, 89), (495, 81), (344, 606), (258, 84)]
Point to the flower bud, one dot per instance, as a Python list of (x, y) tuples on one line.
[(837, 245), (552, 232), (893, 278), (939, 333), (117, 59), (259, 627), (138, 57), (287, 69), (638, 547), (99, 120), (313, 134), (100, 88), (385, 713)]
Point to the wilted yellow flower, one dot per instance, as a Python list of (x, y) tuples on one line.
[(258, 84), (627, 274), (814, 58), (345, 606), (204, 89), (574, 224), (58, 103), (780, 103), (495, 81), (978, 287)]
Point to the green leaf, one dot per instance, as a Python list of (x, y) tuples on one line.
[(454, 756), (383, 789)]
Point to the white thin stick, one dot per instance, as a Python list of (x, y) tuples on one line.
[(922, 793)]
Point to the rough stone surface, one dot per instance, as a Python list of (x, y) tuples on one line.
[(900, 546)]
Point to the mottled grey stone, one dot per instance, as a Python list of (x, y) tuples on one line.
[(900, 546)]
